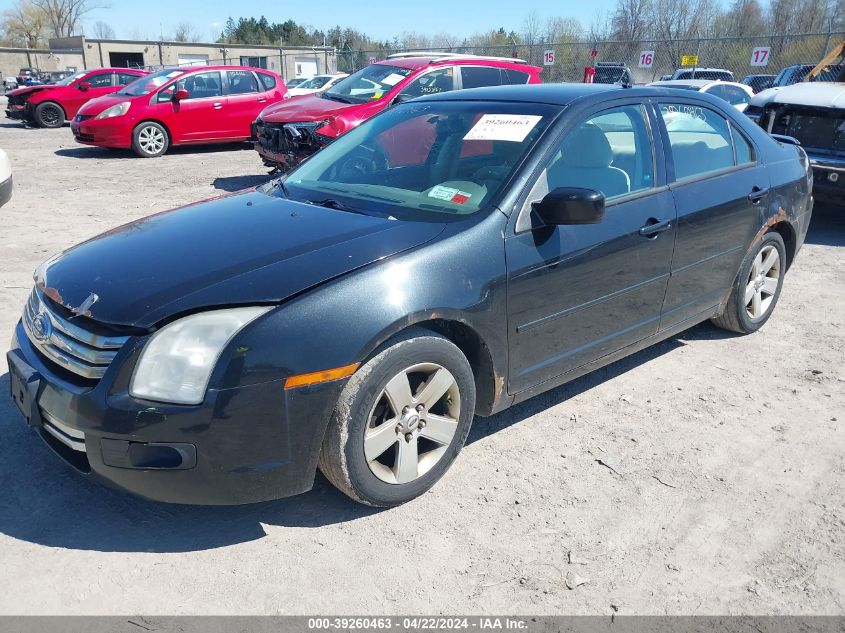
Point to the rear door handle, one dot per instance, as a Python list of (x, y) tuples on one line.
[(218, 105), (655, 227), (757, 194), (262, 100)]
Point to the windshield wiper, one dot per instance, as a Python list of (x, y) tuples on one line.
[(333, 203), (332, 96)]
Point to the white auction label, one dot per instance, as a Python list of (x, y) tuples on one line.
[(503, 127)]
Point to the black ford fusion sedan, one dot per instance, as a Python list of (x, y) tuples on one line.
[(453, 256)]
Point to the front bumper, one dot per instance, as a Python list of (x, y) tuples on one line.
[(5, 191), (828, 179), (17, 112), (280, 148), (241, 445), (112, 132)]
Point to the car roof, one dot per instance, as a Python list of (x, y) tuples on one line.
[(115, 69), (415, 63), (681, 83), (555, 94), (562, 94), (207, 68), (700, 69)]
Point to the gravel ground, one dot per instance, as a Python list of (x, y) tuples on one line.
[(725, 494)]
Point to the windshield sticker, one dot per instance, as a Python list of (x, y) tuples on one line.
[(449, 194), (503, 127), (392, 79)]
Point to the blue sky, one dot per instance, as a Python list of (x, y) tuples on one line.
[(378, 18)]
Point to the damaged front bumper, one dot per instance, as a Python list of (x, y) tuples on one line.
[(283, 146), (828, 178), (241, 445), (18, 112)]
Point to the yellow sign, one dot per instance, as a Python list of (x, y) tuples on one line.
[(689, 60)]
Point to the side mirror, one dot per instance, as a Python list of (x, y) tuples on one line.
[(181, 94), (85, 86), (571, 205), (401, 98)]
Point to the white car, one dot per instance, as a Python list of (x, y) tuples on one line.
[(738, 95), (317, 83), (5, 178)]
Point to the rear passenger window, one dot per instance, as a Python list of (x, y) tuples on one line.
[(480, 76), (242, 82), (512, 77), (743, 149), (610, 152), (700, 139), (268, 81)]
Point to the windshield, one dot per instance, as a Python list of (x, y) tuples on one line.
[(368, 84), (314, 83), (71, 78), (424, 161), (149, 83)]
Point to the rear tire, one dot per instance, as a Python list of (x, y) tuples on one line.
[(150, 140), (400, 421), (49, 115), (757, 287)]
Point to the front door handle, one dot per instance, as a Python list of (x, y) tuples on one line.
[(262, 100), (757, 194), (218, 105), (655, 227)]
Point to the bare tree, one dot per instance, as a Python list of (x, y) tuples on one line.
[(599, 28), (532, 28), (631, 20), (24, 25), (64, 16), (560, 29), (103, 31), (184, 32)]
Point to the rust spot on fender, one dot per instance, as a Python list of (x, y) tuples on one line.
[(778, 217)]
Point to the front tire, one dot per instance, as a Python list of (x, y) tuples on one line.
[(757, 287), (400, 421), (49, 115), (150, 140)]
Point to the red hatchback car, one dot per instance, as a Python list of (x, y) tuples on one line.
[(175, 106), (289, 132), (52, 104)]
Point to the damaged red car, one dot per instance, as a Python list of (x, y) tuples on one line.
[(52, 104), (287, 133)]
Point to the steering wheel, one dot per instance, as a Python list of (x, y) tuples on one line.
[(361, 162)]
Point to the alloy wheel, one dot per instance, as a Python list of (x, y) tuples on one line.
[(151, 139), (412, 423), (51, 115), (762, 284)]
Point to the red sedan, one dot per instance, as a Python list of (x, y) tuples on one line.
[(176, 106), (52, 104)]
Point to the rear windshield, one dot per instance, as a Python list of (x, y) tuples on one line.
[(368, 84), (705, 74)]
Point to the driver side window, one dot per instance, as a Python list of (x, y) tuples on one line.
[(101, 80), (610, 152), (434, 82)]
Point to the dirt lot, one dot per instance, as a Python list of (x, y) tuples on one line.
[(729, 452)]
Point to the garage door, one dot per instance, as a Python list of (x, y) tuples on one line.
[(306, 66), (193, 60)]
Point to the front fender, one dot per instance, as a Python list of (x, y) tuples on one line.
[(458, 278)]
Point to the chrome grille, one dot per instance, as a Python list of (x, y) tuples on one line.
[(65, 343)]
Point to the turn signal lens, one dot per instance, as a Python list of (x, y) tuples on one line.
[(316, 377)]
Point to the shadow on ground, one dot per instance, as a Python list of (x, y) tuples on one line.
[(86, 151), (827, 227), (44, 501)]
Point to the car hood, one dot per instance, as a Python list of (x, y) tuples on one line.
[(243, 248), (30, 89), (305, 108), (98, 104), (822, 94)]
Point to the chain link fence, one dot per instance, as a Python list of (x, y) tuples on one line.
[(648, 60)]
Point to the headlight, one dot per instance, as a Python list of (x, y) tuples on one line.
[(177, 361), (118, 109)]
